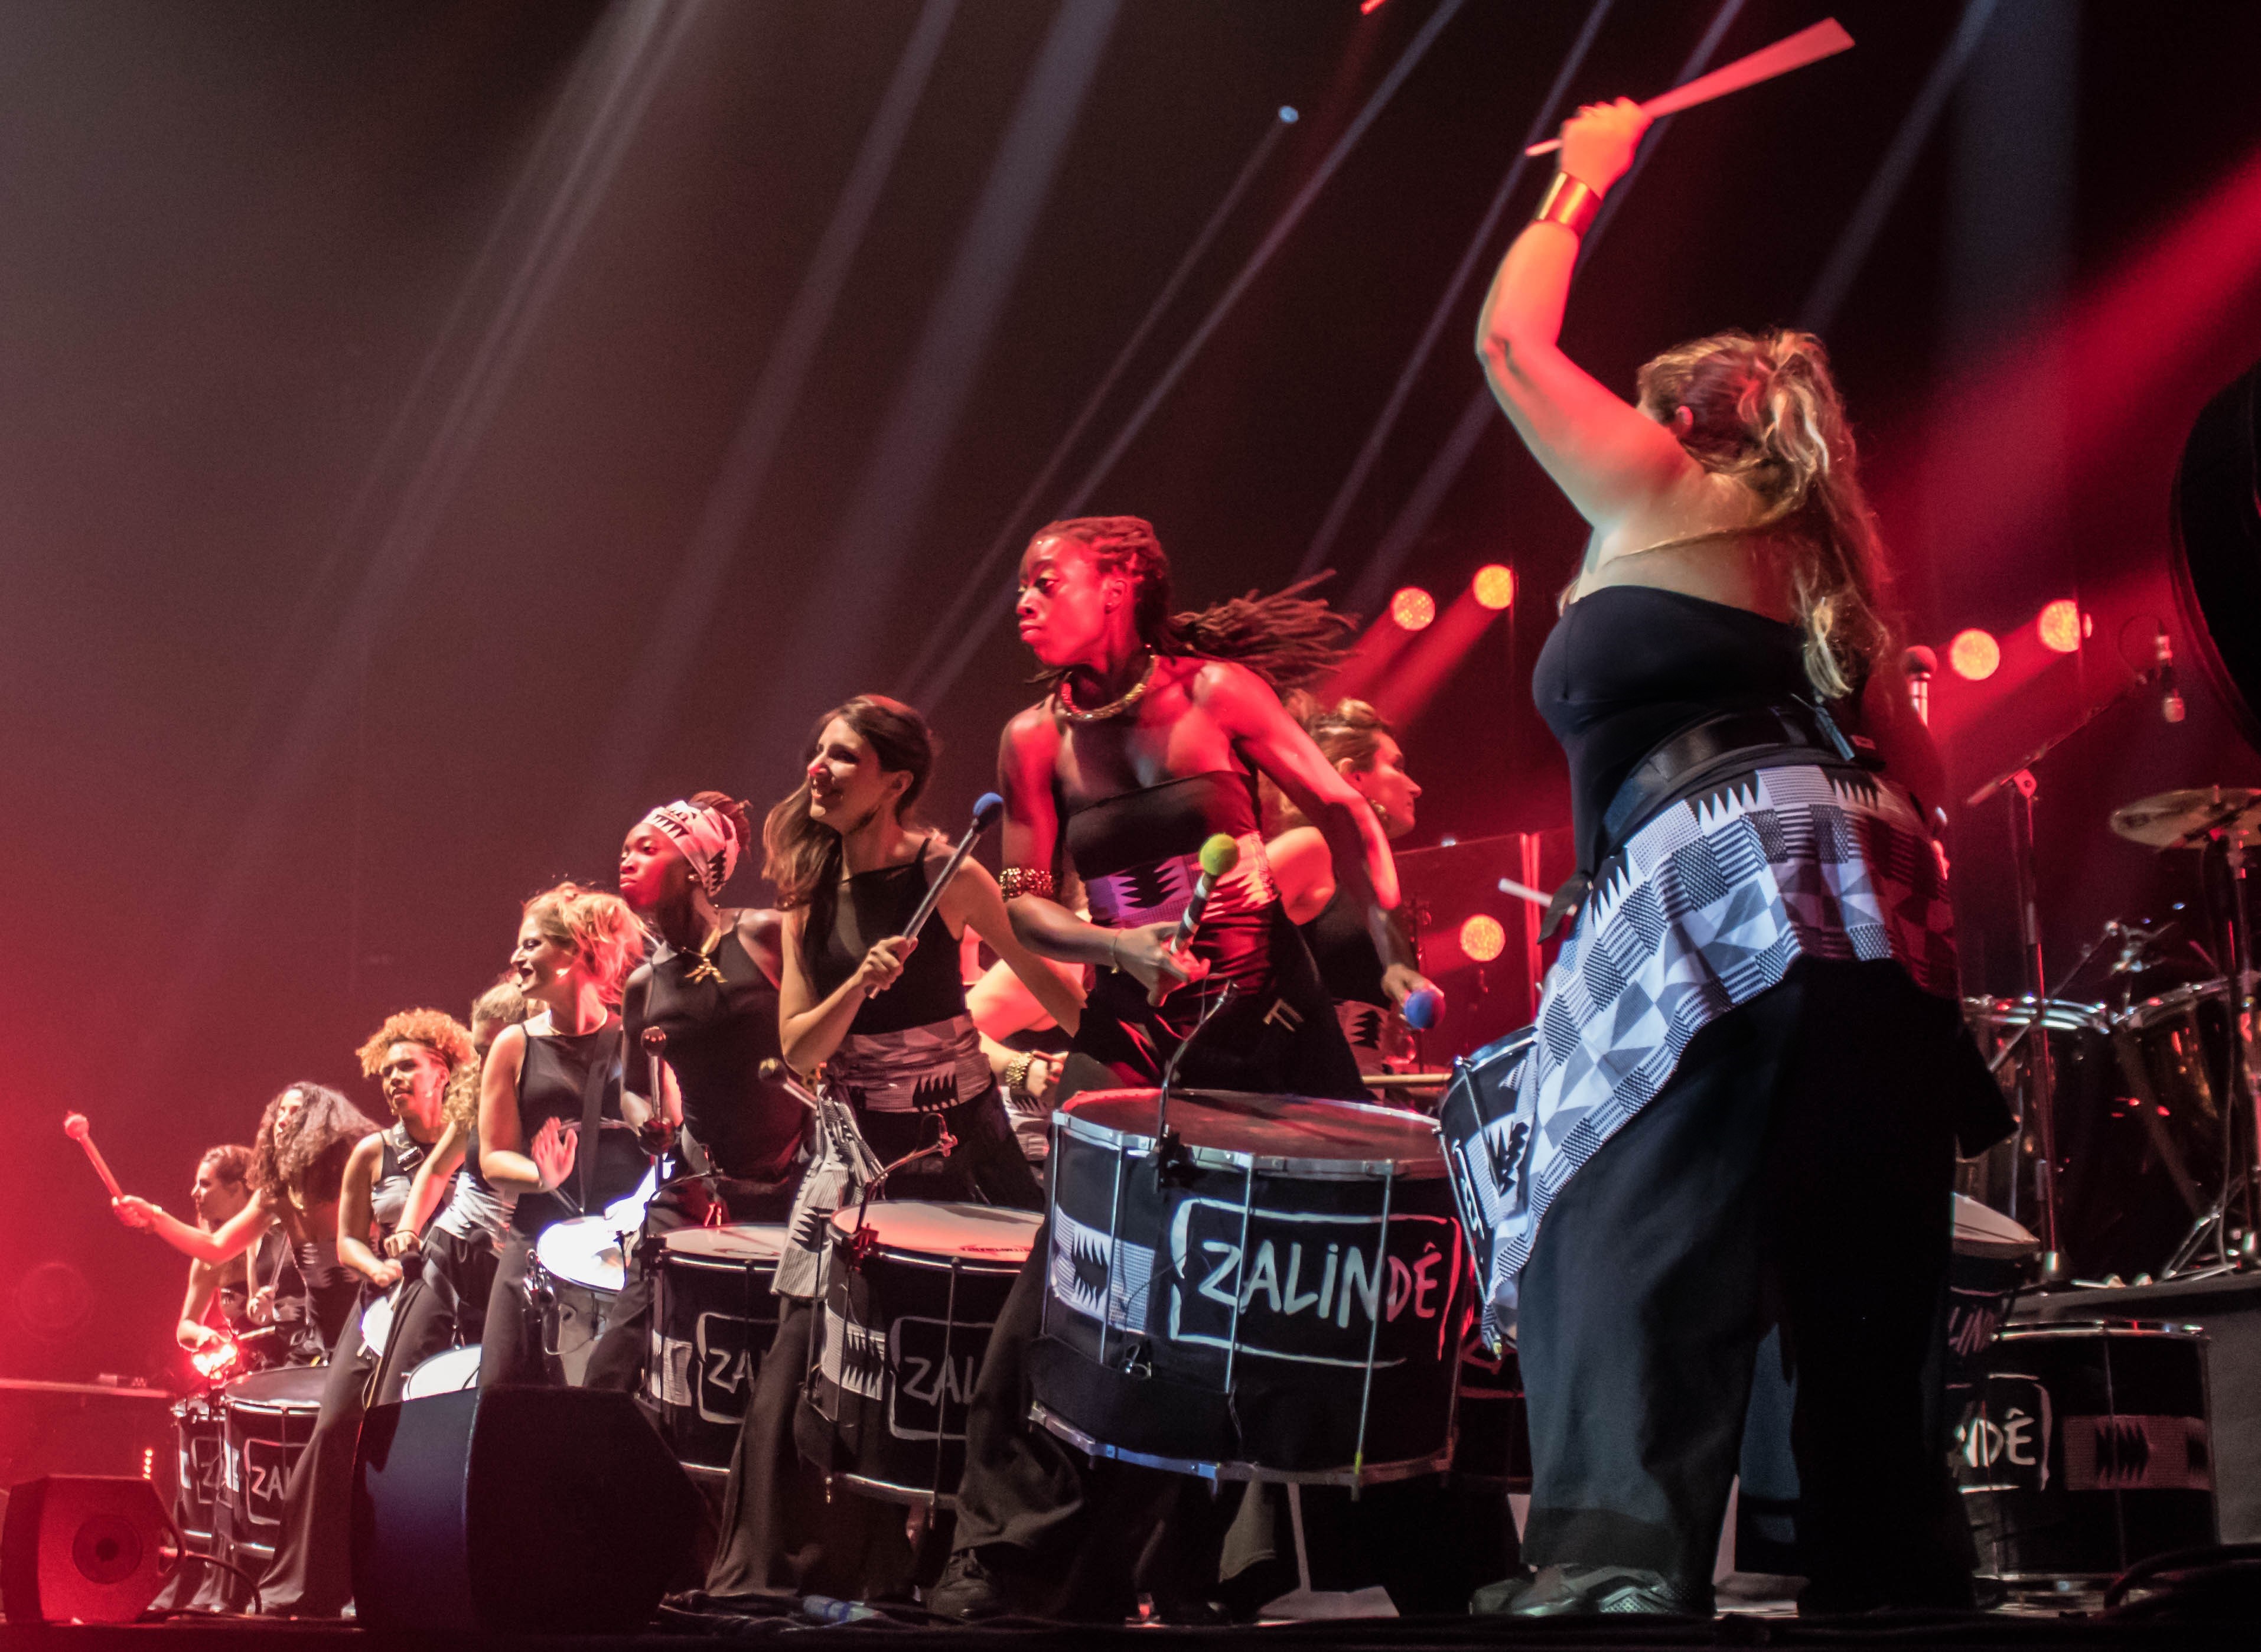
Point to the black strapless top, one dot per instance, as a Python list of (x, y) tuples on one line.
[(719, 1033), (1139, 854), (1627, 667), (878, 904)]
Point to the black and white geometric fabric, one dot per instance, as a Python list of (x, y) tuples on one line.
[(1098, 1279), (920, 1069), (1704, 907)]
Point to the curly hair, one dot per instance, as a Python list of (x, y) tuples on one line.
[(435, 1029), (1765, 410), (800, 854), (1287, 639), (231, 1164), (306, 1162), (597, 927)]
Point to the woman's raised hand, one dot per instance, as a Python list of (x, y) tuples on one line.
[(884, 963), (1600, 140), (552, 1152), (135, 1212)]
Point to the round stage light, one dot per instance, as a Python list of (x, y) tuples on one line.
[(2060, 626), (1482, 939), (1494, 587), (1975, 655), (1413, 608)]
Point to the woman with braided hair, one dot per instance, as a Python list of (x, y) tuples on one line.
[(1742, 1105)]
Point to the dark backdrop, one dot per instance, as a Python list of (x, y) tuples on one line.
[(371, 374)]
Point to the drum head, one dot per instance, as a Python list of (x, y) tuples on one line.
[(585, 1252), (1981, 1230), (972, 1232), (740, 1242), (448, 1373), (288, 1389), (1289, 1131)]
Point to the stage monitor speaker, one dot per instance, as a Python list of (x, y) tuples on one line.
[(85, 1548), (542, 1509)]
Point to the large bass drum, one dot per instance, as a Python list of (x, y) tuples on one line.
[(1276, 1295), (268, 1418), (712, 1324), (910, 1296)]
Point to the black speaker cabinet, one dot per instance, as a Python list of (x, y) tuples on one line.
[(84, 1548), (549, 1510)]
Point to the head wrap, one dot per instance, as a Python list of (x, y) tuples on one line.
[(703, 837)]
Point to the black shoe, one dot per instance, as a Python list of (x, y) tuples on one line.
[(1589, 1591), (968, 1590)]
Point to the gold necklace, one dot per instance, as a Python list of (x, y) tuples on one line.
[(1113, 708)]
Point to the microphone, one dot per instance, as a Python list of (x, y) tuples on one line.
[(1218, 856), (986, 808), (1918, 665), (2171, 708)]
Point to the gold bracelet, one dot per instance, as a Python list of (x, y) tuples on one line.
[(1113, 964), (1569, 203)]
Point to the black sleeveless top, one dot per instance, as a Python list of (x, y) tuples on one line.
[(1350, 967), (719, 1033), (1627, 667), (878, 904), (399, 1154), (1139, 854), (550, 1083)]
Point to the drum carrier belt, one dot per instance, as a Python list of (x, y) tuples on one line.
[(1699, 756)]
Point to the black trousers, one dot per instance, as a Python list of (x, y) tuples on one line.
[(510, 1341), (311, 1573), (617, 1361), (1795, 1173), (444, 1304)]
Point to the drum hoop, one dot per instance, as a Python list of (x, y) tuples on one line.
[(2058, 1015), (2176, 1001), (1371, 1474), (1136, 1145), (941, 1261), (693, 1262), (2031, 1331)]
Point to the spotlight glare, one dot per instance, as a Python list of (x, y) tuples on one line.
[(1975, 655), (2059, 626), (1494, 586), (1482, 939), (1413, 608)]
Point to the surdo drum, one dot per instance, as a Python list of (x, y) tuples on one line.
[(1279, 1295), (450, 1371), (577, 1269), (909, 1299), (268, 1417), (714, 1318)]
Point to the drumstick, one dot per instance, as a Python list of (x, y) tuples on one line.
[(75, 1126), (1825, 39)]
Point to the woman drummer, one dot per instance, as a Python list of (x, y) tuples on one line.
[(298, 1159), (413, 1055), (575, 949), (710, 989), (1746, 1110), (217, 1310), (885, 1014), (1369, 993)]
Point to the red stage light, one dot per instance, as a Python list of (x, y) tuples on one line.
[(1482, 939), (1975, 656), (1494, 586), (1412, 608), (2059, 626)]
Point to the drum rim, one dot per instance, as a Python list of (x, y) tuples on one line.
[(782, 1229), (1425, 1168), (2175, 1001), (1369, 1474), (842, 1225), (2058, 1015), (2173, 1330)]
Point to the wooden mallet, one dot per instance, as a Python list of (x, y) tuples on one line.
[(75, 1126), (1825, 39)]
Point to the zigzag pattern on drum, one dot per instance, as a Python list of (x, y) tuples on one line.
[(1081, 1279), (855, 1358), (1704, 907)]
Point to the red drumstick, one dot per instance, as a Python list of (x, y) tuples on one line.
[(1825, 39), (75, 1126)]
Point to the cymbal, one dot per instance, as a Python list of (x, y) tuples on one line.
[(2189, 818)]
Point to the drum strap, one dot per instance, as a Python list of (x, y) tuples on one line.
[(592, 1108)]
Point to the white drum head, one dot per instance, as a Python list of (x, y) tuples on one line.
[(625, 1215), (377, 1324), (739, 1242), (975, 1232), (585, 1252), (448, 1373), (1983, 1231)]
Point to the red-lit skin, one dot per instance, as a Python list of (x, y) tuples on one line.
[(560, 986), (216, 1203), (415, 1082), (1624, 468), (1197, 716)]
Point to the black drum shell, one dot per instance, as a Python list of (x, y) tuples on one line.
[(268, 1418), (200, 1465), (2083, 1448), (713, 1321), (1153, 1383), (1491, 1428)]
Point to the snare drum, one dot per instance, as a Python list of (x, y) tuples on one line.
[(1283, 1301), (576, 1271), (2084, 1448), (268, 1418), (908, 1310), (450, 1371), (713, 1323)]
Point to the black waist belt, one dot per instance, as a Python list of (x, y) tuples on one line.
[(1734, 741)]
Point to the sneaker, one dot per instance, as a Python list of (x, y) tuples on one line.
[(968, 1590), (1587, 1591)]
